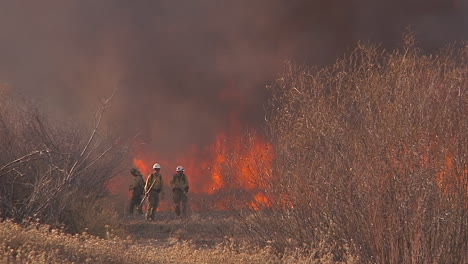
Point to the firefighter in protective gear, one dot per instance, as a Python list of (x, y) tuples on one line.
[(153, 187), (137, 189), (180, 187)]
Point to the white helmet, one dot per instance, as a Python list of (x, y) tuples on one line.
[(156, 166), (179, 168)]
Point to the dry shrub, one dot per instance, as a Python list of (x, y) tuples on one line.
[(52, 169), (371, 157)]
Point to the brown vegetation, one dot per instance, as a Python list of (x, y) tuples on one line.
[(53, 171), (371, 157), (194, 240)]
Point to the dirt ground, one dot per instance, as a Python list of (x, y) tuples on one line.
[(203, 229)]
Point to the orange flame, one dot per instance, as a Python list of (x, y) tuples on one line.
[(141, 166), (448, 180), (207, 170), (260, 201), (216, 177)]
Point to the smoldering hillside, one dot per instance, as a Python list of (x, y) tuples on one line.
[(186, 70)]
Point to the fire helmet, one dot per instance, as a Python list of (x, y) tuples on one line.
[(156, 166), (179, 168)]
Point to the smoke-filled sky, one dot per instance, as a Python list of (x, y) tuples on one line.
[(186, 70)]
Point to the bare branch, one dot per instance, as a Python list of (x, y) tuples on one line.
[(28, 157)]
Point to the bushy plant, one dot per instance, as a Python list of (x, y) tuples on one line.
[(371, 157), (49, 168)]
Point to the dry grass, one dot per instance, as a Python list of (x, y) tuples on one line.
[(195, 240)]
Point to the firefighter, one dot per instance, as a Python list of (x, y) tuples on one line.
[(137, 189), (153, 187), (180, 187)]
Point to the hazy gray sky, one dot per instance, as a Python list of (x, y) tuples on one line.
[(185, 69)]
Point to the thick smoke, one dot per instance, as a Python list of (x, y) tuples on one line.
[(186, 69)]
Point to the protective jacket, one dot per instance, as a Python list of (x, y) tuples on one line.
[(154, 181), (138, 185), (179, 182)]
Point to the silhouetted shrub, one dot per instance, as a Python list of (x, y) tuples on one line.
[(48, 168)]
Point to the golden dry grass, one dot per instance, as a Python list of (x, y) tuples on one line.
[(166, 240)]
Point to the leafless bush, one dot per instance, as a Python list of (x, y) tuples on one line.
[(371, 155), (48, 168)]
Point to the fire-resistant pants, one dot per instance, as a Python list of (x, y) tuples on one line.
[(153, 201), (180, 199), (135, 202)]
